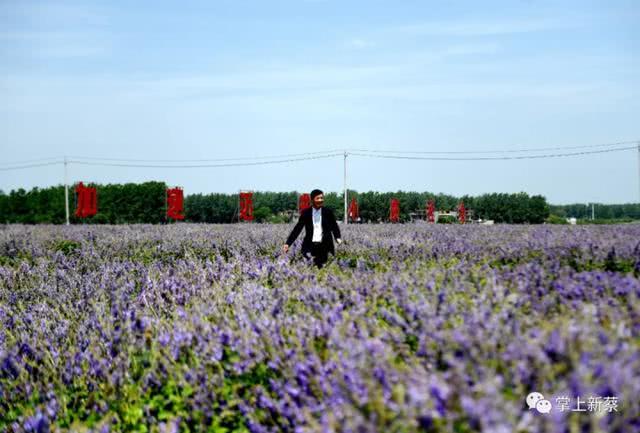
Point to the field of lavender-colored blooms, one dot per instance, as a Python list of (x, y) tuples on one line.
[(411, 328)]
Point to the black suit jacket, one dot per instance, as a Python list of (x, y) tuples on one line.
[(329, 227)]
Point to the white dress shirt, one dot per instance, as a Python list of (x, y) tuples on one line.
[(317, 225)]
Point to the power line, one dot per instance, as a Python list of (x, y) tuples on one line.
[(30, 161), (353, 151), (322, 155), (20, 167), (238, 164), (493, 158), (245, 158), (78, 159), (454, 152)]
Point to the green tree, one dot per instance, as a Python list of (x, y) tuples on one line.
[(262, 214)]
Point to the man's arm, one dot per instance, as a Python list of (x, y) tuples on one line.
[(335, 229), (294, 234)]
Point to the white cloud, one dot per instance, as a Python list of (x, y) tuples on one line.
[(57, 45), (284, 87), (54, 31), (470, 49), (480, 27), (50, 15), (358, 44)]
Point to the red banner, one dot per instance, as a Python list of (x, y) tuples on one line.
[(431, 210), (354, 212), (304, 202), (175, 203), (87, 201), (462, 213), (246, 206), (92, 205), (394, 214)]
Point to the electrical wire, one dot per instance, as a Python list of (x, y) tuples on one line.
[(541, 149), (245, 158), (31, 161), (406, 155), (238, 164), (494, 158), (20, 167)]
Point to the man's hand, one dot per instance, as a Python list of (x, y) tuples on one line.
[(339, 241), (285, 248)]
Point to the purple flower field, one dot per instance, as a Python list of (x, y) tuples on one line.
[(410, 328)]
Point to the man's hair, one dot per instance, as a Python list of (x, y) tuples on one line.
[(314, 193)]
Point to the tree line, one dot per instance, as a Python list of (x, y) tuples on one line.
[(117, 204), (146, 203), (600, 211)]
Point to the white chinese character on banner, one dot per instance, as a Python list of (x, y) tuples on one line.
[(578, 407), (610, 404), (563, 403), (594, 404)]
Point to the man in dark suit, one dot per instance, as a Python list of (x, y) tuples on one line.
[(319, 224)]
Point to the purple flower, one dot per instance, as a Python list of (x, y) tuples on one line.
[(37, 424)]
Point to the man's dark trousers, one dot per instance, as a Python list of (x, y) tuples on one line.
[(319, 253)]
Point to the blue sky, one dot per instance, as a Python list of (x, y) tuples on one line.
[(226, 79)]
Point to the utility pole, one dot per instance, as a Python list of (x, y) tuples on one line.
[(66, 191), (593, 211), (586, 211), (346, 217)]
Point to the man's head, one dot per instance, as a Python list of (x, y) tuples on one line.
[(317, 198)]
